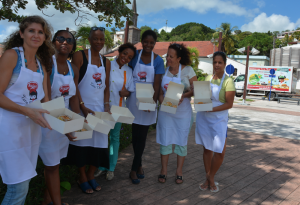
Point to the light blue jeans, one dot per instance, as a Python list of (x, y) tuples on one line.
[(16, 193), (114, 145)]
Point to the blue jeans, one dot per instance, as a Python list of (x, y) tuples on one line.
[(16, 193), (114, 145)]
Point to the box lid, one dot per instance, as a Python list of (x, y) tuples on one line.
[(202, 90), (174, 91), (144, 92), (54, 104), (106, 117), (117, 111)]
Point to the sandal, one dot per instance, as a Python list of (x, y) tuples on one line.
[(134, 181), (94, 184), (212, 190), (180, 178), (141, 176), (84, 186), (203, 189), (162, 177)]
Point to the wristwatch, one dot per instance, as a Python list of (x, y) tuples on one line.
[(81, 103)]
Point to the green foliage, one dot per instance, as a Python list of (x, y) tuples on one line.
[(64, 186), (243, 35), (261, 41), (111, 11), (185, 28), (195, 64), (296, 35), (143, 29), (228, 39)]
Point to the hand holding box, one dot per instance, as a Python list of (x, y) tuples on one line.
[(144, 96), (202, 96), (172, 97)]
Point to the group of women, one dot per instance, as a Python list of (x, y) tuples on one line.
[(36, 67)]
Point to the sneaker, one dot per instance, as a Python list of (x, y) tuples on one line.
[(109, 175), (98, 172)]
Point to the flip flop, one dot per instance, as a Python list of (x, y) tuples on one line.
[(214, 191), (203, 189), (180, 178), (94, 184), (162, 177), (84, 186)]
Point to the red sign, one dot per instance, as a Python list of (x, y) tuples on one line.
[(142, 74), (32, 86), (266, 87), (97, 76), (64, 88)]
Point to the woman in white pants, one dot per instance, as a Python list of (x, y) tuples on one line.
[(23, 79), (211, 127)]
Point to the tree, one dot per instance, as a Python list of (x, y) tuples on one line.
[(113, 30), (228, 39), (111, 10), (237, 32), (185, 28), (163, 36), (296, 35), (243, 35), (195, 64), (143, 29), (82, 36)]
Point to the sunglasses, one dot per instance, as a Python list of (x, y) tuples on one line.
[(177, 45), (97, 28), (62, 39)]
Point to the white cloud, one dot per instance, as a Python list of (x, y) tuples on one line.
[(7, 32), (168, 29), (200, 6), (260, 3), (58, 20), (275, 22)]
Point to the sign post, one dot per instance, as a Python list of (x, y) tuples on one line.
[(272, 72)]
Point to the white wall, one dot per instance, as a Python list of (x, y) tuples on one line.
[(207, 67)]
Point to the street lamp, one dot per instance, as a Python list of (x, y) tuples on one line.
[(254, 52)]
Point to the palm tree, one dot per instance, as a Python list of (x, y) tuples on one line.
[(228, 37)]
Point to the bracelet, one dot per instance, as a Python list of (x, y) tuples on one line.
[(81, 103), (106, 103)]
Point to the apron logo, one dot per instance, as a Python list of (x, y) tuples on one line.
[(97, 77), (166, 86), (142, 76), (32, 87), (64, 89)]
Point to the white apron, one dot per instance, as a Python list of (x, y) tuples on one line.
[(174, 128), (91, 89), (20, 137), (142, 74), (54, 145), (211, 127), (116, 82)]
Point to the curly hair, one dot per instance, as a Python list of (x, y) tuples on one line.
[(74, 44), (183, 52), (45, 51), (149, 33), (127, 45)]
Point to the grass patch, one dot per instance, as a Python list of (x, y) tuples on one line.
[(248, 100)]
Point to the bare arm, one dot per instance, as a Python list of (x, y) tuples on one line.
[(7, 63), (229, 97), (161, 96), (156, 86), (107, 91), (46, 88)]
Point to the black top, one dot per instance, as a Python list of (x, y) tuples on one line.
[(85, 63)]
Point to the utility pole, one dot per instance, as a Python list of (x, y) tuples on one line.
[(166, 25), (246, 76), (274, 42)]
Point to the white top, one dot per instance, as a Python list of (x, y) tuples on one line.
[(116, 82), (186, 74)]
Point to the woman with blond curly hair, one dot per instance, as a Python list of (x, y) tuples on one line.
[(23, 79)]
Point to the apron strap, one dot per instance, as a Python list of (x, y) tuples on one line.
[(152, 58), (56, 69), (70, 68), (90, 58), (179, 71), (220, 86), (140, 54), (22, 56)]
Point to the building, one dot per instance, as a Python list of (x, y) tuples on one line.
[(282, 35), (134, 33), (253, 59), (119, 36)]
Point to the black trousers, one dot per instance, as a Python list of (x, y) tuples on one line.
[(139, 136)]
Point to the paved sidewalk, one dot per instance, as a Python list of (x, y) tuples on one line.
[(258, 169)]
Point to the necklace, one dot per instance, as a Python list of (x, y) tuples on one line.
[(26, 65)]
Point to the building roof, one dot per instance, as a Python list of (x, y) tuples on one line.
[(250, 57), (204, 47)]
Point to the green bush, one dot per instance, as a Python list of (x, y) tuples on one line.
[(68, 174)]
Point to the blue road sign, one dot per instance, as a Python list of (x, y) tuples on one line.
[(229, 69), (272, 71), (272, 76)]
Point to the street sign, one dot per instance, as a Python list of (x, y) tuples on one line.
[(229, 69), (272, 72)]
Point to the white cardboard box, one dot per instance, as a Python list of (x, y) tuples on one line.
[(144, 96), (97, 124), (202, 93), (173, 95), (107, 118), (56, 108), (122, 114), (85, 134)]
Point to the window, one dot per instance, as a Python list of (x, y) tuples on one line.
[(254, 64), (240, 78), (235, 72)]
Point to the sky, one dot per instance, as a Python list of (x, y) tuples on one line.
[(253, 15)]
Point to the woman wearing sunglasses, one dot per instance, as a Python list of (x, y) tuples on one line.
[(148, 69), (93, 93), (62, 83), (23, 80), (120, 84), (175, 128)]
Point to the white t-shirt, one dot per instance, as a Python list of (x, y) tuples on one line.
[(186, 74)]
